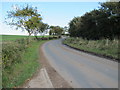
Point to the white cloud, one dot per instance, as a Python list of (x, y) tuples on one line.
[(15, 7)]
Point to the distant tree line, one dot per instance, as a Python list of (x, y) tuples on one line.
[(97, 24), (55, 30)]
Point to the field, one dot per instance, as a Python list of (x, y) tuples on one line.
[(5, 38), (19, 59), (12, 37), (15, 37), (104, 47)]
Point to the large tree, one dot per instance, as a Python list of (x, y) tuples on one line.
[(26, 18)]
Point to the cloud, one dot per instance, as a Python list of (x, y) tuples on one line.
[(15, 7)]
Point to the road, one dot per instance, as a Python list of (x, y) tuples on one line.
[(81, 70)]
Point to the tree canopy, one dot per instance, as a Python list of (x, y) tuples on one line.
[(28, 19), (97, 24), (55, 30)]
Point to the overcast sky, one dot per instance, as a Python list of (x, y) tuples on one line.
[(53, 13)]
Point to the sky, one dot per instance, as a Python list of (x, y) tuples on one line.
[(53, 13)]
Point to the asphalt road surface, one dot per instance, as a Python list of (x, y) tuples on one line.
[(81, 70)]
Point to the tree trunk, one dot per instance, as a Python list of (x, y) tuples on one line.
[(36, 37), (29, 38)]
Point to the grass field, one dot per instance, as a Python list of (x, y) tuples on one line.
[(14, 37), (104, 47)]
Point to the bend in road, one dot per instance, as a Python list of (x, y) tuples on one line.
[(80, 69)]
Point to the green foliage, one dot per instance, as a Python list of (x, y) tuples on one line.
[(97, 24), (12, 52), (55, 30), (40, 28), (26, 18), (19, 72), (104, 46), (19, 59), (21, 15)]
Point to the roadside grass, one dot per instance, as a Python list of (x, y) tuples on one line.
[(104, 47), (19, 72)]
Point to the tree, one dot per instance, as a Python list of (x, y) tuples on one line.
[(97, 24), (26, 18), (65, 30), (113, 10), (55, 30), (73, 26), (41, 28), (52, 30)]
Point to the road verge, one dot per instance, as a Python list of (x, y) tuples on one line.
[(93, 53)]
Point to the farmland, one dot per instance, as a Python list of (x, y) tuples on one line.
[(12, 37), (15, 37)]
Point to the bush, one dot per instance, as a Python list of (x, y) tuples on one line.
[(48, 38), (12, 52), (17, 73)]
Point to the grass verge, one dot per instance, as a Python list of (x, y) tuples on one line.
[(19, 72), (106, 48)]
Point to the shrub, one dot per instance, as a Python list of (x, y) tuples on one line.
[(12, 52)]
